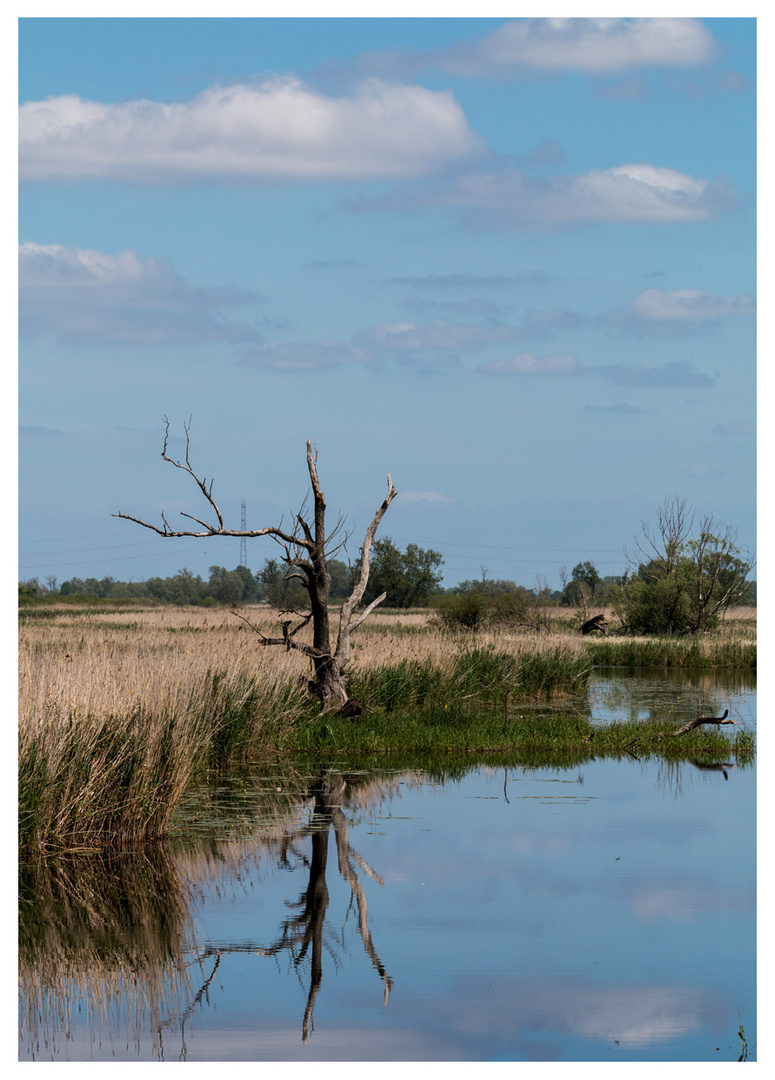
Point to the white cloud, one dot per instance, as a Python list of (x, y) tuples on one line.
[(654, 311), (89, 297), (687, 307), (465, 281), (439, 334), (265, 131), (527, 364), (594, 46), (675, 374), (626, 194), (459, 307)]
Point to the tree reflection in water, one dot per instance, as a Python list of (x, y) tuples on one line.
[(302, 935), (106, 939)]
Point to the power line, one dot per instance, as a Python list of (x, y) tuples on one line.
[(119, 558), (504, 547), (90, 536), (102, 547)]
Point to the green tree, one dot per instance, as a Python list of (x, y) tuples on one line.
[(280, 588), (485, 586), (474, 604), (341, 579), (250, 585), (71, 587), (184, 588), (687, 578), (587, 572), (585, 586), (408, 578), (227, 586)]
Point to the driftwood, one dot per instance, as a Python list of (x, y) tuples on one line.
[(595, 623), (705, 720)]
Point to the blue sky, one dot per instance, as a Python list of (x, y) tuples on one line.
[(511, 261)]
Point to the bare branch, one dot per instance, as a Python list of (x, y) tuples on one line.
[(304, 621), (306, 553), (365, 614), (705, 720), (286, 639), (342, 652), (211, 530), (201, 484)]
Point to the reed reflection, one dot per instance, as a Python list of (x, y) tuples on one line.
[(102, 945), (107, 941)]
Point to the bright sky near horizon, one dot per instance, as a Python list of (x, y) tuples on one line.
[(511, 261)]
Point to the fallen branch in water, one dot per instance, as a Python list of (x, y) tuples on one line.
[(705, 720)]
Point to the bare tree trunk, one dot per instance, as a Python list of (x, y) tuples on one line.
[(307, 551)]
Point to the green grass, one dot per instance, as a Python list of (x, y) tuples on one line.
[(533, 738), (474, 677)]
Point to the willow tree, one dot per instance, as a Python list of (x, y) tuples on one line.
[(307, 547)]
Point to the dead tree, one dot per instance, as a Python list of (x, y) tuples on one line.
[(307, 549)]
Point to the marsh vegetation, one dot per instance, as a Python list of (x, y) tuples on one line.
[(122, 705)]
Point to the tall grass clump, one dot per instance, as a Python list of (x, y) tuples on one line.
[(246, 717), (114, 720), (87, 780), (473, 676), (105, 779)]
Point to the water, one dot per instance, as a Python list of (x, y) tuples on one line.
[(672, 695), (604, 913)]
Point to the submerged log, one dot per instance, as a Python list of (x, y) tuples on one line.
[(705, 720)]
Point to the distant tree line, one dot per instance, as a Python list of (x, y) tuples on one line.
[(239, 586), (681, 579), (408, 578)]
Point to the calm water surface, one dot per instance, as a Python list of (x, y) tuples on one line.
[(604, 913)]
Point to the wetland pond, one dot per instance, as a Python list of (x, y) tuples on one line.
[(487, 913)]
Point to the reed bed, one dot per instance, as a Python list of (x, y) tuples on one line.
[(121, 706), (115, 721), (475, 676)]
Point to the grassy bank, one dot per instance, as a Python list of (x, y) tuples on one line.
[(122, 705), (536, 737)]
